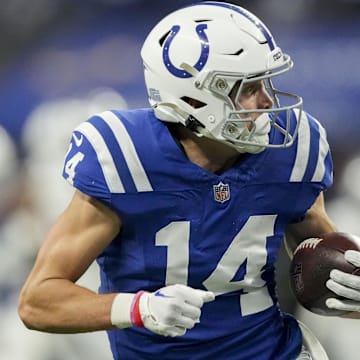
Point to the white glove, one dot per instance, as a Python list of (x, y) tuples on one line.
[(345, 285), (172, 310)]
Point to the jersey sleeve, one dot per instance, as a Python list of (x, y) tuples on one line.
[(103, 157), (89, 165), (313, 162)]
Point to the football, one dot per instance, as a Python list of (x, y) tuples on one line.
[(310, 268)]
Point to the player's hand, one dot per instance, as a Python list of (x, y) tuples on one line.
[(345, 285), (172, 310)]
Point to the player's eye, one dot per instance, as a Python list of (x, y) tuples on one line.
[(250, 90)]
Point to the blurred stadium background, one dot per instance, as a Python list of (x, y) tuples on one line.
[(63, 60)]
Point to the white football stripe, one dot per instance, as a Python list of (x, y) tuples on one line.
[(323, 151), (303, 148), (104, 156), (133, 162)]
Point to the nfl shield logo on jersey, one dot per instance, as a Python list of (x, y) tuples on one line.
[(221, 192)]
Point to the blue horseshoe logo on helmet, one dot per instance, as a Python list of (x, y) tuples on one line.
[(204, 55)]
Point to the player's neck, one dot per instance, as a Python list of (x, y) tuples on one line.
[(204, 152)]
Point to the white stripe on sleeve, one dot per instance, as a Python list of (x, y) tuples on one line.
[(323, 151), (303, 149), (105, 158), (133, 162)]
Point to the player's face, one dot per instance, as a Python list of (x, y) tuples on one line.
[(253, 95)]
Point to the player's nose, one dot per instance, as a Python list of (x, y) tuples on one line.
[(265, 100)]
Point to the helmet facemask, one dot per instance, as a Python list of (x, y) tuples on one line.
[(247, 130)]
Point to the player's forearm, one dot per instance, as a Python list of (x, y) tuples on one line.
[(58, 305)]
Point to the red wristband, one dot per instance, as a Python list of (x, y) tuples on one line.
[(135, 316)]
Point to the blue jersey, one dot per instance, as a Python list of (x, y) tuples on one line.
[(183, 224)]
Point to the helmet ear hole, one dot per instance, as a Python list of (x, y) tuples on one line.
[(196, 104)]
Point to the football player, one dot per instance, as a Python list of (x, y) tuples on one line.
[(184, 205)]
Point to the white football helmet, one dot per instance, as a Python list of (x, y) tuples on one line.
[(199, 53)]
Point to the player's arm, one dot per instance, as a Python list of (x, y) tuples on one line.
[(51, 301), (315, 223)]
